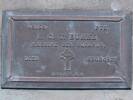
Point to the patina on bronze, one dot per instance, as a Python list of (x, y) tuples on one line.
[(66, 49)]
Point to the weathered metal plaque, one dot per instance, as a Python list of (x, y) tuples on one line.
[(66, 49)]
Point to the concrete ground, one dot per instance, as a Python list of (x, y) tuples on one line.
[(12, 94)]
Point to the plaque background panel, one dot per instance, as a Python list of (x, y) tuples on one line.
[(55, 94), (24, 39)]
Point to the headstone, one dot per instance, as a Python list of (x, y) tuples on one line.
[(66, 49)]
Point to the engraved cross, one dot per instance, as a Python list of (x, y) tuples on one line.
[(67, 56)]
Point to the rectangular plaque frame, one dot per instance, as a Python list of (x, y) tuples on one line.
[(12, 23)]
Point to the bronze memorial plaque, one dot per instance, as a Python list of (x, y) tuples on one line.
[(70, 49)]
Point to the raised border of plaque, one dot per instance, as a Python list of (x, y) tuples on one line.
[(121, 82)]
